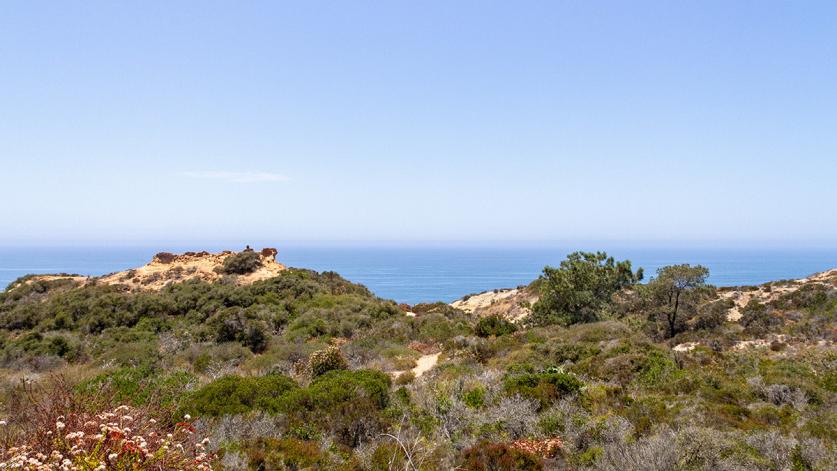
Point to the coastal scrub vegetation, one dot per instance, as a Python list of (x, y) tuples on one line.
[(307, 370)]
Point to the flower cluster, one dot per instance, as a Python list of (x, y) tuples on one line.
[(119, 439), (546, 448)]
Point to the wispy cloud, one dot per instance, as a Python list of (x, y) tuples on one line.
[(238, 177)]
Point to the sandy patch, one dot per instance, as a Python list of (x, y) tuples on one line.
[(512, 304), (425, 364), (685, 347)]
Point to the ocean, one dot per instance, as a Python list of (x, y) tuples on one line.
[(412, 275)]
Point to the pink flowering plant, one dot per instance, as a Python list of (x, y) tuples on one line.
[(119, 438)]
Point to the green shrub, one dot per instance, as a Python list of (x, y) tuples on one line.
[(238, 395), (475, 398), (406, 377), (658, 370), (559, 353), (758, 318), (546, 388), (138, 386), (327, 360), (242, 263), (339, 386), (712, 315), (240, 325), (494, 326), (809, 296), (35, 344), (589, 456), (387, 456), (487, 456), (286, 453), (347, 404)]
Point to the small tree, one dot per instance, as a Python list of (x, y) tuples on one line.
[(675, 293), (580, 288)]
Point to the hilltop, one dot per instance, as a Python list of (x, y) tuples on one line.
[(166, 268)]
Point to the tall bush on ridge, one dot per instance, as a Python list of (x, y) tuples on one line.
[(580, 288)]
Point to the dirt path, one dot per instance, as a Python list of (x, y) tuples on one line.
[(425, 364)]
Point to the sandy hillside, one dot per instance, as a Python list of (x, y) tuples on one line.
[(509, 303), (167, 268), (771, 291)]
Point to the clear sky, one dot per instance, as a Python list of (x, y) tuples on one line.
[(418, 121)]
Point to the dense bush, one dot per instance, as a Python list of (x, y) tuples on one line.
[(494, 326), (546, 388), (238, 395), (758, 318), (299, 304), (242, 263), (348, 404), (712, 315), (487, 456), (287, 453), (245, 326), (338, 387), (138, 386)]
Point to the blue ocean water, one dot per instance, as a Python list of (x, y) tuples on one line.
[(413, 275)]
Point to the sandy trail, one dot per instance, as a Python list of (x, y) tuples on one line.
[(424, 364)]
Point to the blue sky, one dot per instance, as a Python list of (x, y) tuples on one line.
[(418, 122)]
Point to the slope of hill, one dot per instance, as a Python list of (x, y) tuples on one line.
[(283, 368)]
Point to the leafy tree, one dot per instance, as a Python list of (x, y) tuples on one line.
[(580, 288), (675, 294)]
